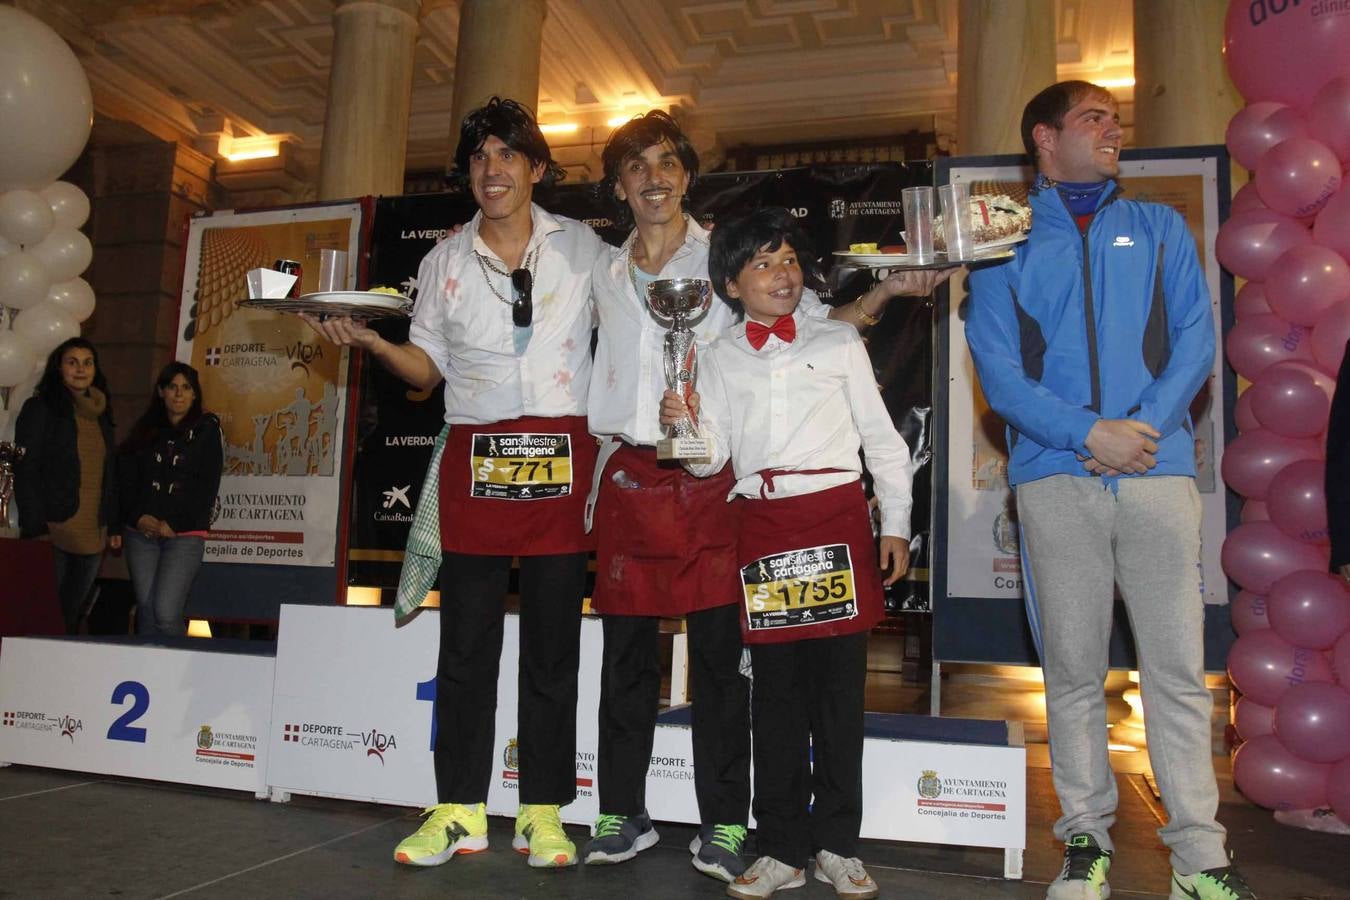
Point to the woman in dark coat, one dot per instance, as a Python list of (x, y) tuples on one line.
[(64, 485), (169, 470)]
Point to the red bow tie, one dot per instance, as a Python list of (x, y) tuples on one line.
[(757, 334)]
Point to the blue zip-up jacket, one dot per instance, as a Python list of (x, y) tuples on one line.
[(1115, 323)]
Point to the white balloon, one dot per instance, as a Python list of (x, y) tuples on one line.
[(44, 326), (46, 109), (75, 297), (69, 204), (24, 280), (16, 359), (25, 216), (66, 252)]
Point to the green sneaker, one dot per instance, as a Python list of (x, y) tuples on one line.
[(450, 828), (540, 834), (1084, 874), (1224, 883), (717, 851)]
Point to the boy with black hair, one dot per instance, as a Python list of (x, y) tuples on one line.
[(790, 399), (504, 316)]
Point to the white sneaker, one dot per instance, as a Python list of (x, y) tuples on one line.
[(765, 876), (849, 878)]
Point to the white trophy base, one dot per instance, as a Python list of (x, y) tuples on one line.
[(683, 448)]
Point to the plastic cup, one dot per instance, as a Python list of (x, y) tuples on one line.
[(956, 230), (917, 203), (332, 270)]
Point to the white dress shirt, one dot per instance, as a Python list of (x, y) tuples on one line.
[(468, 333), (630, 375), (808, 404)]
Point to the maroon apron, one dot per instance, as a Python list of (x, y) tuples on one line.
[(666, 539), (808, 566), (517, 488)]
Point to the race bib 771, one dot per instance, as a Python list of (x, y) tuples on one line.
[(528, 466)]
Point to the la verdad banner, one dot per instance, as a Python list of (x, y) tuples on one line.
[(837, 205)]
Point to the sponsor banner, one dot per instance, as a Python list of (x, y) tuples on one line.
[(138, 711), (965, 794), (363, 729), (982, 549), (278, 388), (837, 205)]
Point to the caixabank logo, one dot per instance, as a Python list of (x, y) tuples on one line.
[(225, 748), (327, 738), (66, 725)]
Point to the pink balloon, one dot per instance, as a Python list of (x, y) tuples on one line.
[(1313, 721), (1254, 457), (1251, 300), (1246, 199), (1307, 281), (1298, 176), (1258, 342), (1283, 50), (1298, 505), (1309, 609), (1258, 554), (1243, 416), (1251, 719), (1332, 227), (1264, 665), (1271, 776), (1340, 659), (1259, 126), (1249, 612), (1329, 116), (1328, 338), (1255, 511), (1249, 242), (1338, 790), (1292, 399)]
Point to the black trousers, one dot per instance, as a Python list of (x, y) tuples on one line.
[(807, 704), (473, 589), (630, 689)]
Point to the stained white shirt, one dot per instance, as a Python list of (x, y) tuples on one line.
[(467, 330), (808, 404), (630, 375)]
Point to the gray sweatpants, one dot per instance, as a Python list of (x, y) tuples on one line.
[(1080, 538)]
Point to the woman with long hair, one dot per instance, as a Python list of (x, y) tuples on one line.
[(64, 485), (169, 469)]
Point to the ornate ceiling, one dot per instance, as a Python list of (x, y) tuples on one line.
[(741, 71)]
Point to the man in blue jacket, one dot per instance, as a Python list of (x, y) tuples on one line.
[(1091, 343)]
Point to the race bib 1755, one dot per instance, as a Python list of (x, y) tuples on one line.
[(799, 587)]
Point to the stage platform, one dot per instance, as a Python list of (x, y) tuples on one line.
[(66, 834)]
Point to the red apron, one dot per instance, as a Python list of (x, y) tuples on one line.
[(666, 540), (808, 567), (517, 488)]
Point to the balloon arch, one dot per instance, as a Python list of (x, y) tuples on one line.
[(46, 112), (1289, 236)]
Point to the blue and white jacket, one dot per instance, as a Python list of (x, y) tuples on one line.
[(1115, 323)]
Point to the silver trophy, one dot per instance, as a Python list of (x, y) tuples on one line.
[(10, 454), (677, 301)]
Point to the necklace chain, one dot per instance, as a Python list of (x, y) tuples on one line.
[(484, 264)]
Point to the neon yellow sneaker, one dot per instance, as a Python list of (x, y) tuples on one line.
[(450, 828), (539, 832)]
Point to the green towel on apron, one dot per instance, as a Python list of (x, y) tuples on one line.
[(422, 558)]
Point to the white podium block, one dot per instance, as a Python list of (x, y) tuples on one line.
[(137, 710), (354, 706)]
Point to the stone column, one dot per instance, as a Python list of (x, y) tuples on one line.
[(497, 54), (365, 130), (1182, 95), (1005, 54)]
